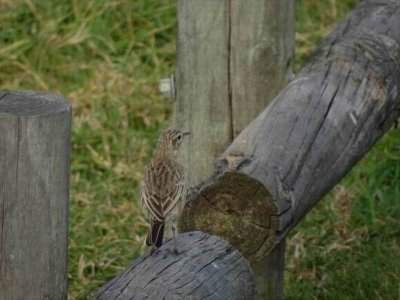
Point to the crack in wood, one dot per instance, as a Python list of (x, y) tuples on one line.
[(229, 70), (3, 95)]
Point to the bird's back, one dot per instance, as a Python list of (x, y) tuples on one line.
[(163, 184)]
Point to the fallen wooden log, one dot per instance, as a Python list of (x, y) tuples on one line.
[(205, 268), (342, 101)]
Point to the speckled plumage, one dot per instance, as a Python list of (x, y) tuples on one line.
[(163, 184)]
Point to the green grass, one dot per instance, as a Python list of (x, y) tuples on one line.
[(106, 57), (349, 246)]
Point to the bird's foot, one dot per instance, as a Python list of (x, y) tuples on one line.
[(173, 251), (153, 250)]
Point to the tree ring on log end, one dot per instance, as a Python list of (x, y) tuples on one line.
[(237, 208)]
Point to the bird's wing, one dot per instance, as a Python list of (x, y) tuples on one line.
[(149, 197), (143, 198), (162, 187), (176, 190)]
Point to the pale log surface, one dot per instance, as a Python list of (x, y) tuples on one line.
[(233, 58), (205, 268), (202, 78), (34, 194), (312, 134), (261, 52), (202, 105)]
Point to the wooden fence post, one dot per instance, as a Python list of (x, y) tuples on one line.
[(269, 274), (233, 57), (34, 194)]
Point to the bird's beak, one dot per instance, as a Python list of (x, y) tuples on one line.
[(185, 133)]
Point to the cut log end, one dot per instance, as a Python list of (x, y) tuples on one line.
[(31, 103), (234, 206), (205, 268)]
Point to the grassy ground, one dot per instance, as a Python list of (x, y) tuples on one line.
[(106, 57)]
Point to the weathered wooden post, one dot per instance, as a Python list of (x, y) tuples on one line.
[(34, 194), (233, 59), (233, 56)]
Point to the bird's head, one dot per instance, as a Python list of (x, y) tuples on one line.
[(171, 139)]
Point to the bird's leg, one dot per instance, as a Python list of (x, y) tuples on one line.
[(175, 250)]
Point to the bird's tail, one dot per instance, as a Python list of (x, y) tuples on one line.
[(156, 233)]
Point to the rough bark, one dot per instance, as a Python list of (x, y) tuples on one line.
[(34, 194), (205, 268), (317, 128)]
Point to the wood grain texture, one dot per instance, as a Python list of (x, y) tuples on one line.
[(34, 194), (269, 274), (261, 54), (309, 137), (205, 268), (233, 58), (202, 106)]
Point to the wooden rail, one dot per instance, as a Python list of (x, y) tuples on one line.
[(206, 268)]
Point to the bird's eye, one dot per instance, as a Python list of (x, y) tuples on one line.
[(179, 137)]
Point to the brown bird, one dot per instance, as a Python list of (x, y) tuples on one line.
[(163, 185)]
